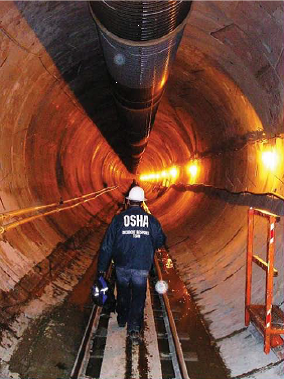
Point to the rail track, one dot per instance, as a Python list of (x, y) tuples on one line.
[(106, 352)]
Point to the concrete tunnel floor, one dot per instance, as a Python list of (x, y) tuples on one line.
[(49, 346), (59, 138)]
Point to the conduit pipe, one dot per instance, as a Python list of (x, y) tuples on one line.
[(20, 212), (139, 41), (82, 200)]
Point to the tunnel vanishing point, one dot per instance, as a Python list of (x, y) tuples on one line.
[(88, 102)]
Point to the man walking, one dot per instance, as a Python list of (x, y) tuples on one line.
[(131, 240)]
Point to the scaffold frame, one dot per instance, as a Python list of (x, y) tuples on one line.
[(265, 317)]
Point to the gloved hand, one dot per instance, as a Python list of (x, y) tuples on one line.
[(95, 288), (99, 290)]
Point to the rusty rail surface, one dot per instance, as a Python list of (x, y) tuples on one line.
[(177, 344), (82, 359)]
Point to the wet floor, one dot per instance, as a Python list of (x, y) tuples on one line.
[(201, 355), (49, 346)]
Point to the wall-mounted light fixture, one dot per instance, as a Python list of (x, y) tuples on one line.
[(270, 159), (192, 170)]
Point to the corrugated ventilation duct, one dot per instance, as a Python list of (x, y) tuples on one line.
[(139, 41)]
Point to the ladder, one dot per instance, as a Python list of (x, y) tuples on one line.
[(267, 318)]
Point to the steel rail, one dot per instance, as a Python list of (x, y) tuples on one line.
[(80, 365), (170, 316), (172, 326), (84, 352), (83, 356), (171, 342)]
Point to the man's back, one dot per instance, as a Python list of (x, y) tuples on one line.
[(131, 240), (133, 236)]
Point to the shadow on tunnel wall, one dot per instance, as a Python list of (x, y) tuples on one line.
[(68, 33)]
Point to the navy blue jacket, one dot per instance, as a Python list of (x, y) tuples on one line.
[(131, 240)]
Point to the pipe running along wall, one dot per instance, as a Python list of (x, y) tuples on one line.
[(60, 138)]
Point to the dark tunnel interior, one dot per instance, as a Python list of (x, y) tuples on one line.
[(61, 138)]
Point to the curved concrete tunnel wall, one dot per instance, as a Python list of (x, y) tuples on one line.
[(59, 129)]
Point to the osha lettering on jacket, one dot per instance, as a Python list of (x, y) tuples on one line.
[(136, 220)]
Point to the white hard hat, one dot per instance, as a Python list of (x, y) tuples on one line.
[(136, 194)]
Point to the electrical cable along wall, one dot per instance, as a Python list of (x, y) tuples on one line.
[(139, 41)]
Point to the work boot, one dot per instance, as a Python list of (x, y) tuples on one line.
[(135, 336), (121, 323)]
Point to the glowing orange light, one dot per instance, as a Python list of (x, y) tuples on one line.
[(173, 172), (269, 159), (192, 169)]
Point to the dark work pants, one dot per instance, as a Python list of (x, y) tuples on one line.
[(131, 295)]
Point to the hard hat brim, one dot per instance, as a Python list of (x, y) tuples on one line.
[(128, 198)]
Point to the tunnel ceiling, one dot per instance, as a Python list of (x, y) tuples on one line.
[(60, 134)]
